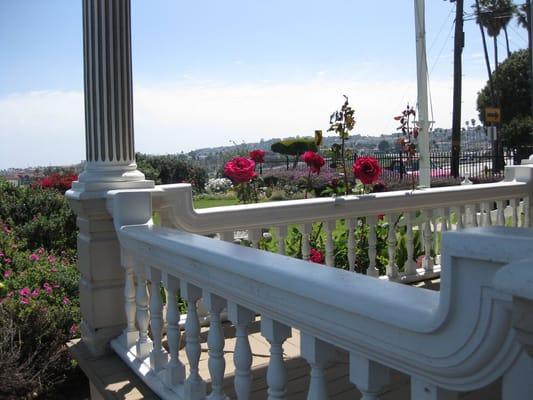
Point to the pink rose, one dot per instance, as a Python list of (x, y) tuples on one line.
[(258, 156), (35, 292), (7, 273), (34, 257), (316, 256), (313, 160), (240, 169), (366, 169)]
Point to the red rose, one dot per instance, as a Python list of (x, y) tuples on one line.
[(258, 156), (313, 160), (240, 169), (316, 256), (367, 170)]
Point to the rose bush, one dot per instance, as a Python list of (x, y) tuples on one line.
[(240, 170), (57, 181), (313, 160), (366, 169), (39, 313), (258, 156)]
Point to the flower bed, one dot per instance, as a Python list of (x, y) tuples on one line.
[(39, 305)]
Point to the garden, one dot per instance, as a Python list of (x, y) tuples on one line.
[(39, 302), (39, 305)]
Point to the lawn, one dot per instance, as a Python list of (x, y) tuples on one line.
[(206, 202)]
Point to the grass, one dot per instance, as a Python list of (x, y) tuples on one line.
[(206, 202)]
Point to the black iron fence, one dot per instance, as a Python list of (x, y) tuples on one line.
[(398, 166)]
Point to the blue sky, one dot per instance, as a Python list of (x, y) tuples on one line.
[(210, 72)]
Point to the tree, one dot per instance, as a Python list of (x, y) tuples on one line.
[(522, 16), (294, 147), (511, 84), (494, 15), (518, 134), (384, 146), (477, 11)]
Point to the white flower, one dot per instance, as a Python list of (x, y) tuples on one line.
[(218, 185)]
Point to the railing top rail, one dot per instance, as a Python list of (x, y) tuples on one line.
[(178, 199), (310, 282)]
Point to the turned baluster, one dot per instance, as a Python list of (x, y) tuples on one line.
[(410, 263), (194, 385), (485, 214), (282, 234), (330, 248), (144, 345), (460, 214), (306, 247), (525, 213), (434, 217), (369, 376), (242, 357), (158, 358), (500, 213), (276, 334), (130, 333), (428, 241), (372, 242), (175, 370), (473, 211), (227, 236), (215, 341), (392, 268), (445, 224), (254, 236), (442, 214), (513, 204), (351, 222), (318, 354)]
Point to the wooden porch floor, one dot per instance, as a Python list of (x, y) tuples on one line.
[(114, 380), (337, 374)]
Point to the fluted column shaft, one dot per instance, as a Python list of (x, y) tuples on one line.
[(108, 81)]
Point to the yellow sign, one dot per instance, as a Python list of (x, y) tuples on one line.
[(318, 138), (492, 115)]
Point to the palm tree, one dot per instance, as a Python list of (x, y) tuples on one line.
[(477, 12), (494, 15), (523, 18)]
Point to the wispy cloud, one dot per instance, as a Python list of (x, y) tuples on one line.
[(41, 128)]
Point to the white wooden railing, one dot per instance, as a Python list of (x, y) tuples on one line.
[(459, 339), (423, 213)]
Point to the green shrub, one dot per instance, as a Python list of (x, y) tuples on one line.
[(39, 306), (38, 217), (165, 169)]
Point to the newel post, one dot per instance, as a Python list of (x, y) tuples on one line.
[(110, 164), (523, 173)]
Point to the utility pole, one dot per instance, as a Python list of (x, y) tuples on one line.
[(457, 83), (422, 86)]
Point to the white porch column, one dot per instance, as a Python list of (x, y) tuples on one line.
[(110, 164)]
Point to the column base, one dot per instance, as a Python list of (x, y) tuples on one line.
[(97, 340)]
